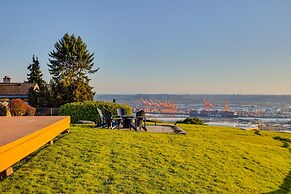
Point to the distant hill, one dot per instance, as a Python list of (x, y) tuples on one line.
[(189, 99)]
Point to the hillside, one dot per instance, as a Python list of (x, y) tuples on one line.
[(207, 159)]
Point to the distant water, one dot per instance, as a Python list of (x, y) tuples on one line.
[(182, 117), (166, 119), (233, 124), (266, 119)]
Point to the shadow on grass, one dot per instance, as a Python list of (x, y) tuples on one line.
[(286, 185), (23, 161)]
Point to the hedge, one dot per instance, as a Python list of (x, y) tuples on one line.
[(88, 110)]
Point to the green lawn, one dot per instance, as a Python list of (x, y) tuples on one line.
[(206, 160)]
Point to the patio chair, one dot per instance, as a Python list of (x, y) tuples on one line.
[(119, 118), (126, 120), (120, 112), (101, 118), (140, 121), (106, 120)]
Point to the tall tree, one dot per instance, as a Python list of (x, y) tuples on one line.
[(70, 63), (41, 98), (35, 75)]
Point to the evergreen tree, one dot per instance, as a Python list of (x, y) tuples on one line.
[(46, 98), (70, 63), (35, 75), (42, 97)]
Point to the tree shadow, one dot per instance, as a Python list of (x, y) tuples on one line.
[(285, 187)]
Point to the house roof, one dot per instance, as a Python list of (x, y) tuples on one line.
[(15, 89)]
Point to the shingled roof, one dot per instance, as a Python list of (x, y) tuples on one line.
[(16, 89)]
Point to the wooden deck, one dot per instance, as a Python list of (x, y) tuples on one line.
[(20, 136)]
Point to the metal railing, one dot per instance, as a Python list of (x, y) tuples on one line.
[(46, 111)]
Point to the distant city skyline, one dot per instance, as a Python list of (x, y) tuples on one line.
[(158, 46)]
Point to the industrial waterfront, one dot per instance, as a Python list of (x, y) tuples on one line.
[(262, 112)]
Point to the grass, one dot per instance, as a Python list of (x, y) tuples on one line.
[(206, 160)]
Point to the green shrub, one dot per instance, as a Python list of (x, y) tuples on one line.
[(191, 120), (88, 110)]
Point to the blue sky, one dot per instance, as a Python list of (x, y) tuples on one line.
[(158, 46)]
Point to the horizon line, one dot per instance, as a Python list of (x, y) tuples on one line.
[(194, 94)]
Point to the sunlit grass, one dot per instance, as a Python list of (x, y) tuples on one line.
[(207, 159)]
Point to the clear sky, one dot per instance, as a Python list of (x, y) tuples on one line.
[(158, 46)]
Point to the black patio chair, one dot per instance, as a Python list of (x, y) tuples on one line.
[(120, 112), (102, 119), (140, 121), (120, 116), (106, 120), (125, 119)]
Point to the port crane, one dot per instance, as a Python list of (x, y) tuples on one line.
[(226, 107), (207, 104), (159, 106)]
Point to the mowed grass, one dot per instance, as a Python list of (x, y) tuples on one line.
[(206, 160)]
